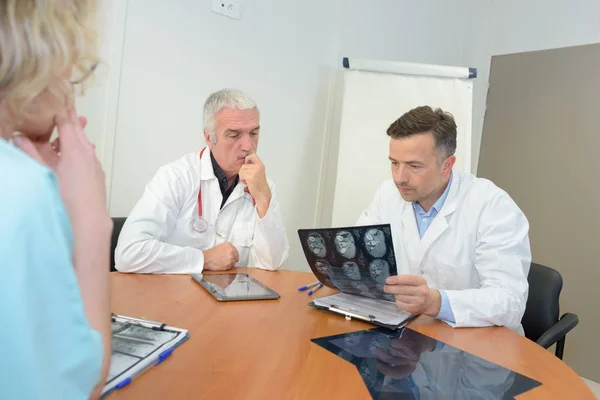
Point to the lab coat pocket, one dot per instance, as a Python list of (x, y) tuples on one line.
[(453, 275), (241, 239)]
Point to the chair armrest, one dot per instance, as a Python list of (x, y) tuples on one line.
[(558, 331)]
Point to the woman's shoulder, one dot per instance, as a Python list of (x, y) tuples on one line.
[(30, 198), (23, 181)]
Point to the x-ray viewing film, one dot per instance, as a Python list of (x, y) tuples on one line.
[(354, 260), (406, 364)]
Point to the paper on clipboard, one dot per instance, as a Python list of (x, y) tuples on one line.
[(370, 310)]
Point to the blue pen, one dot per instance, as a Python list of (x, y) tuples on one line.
[(319, 286), (301, 288)]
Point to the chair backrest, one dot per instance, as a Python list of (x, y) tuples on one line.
[(542, 310), (117, 226)]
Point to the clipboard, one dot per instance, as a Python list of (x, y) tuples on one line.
[(366, 314), (137, 346)]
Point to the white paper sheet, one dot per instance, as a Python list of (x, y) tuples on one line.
[(381, 311)]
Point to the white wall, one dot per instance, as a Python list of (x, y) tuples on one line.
[(520, 26), (177, 52), (100, 99)]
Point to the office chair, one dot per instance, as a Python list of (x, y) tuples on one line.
[(540, 321), (117, 226)]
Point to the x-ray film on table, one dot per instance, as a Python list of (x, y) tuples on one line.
[(406, 364)]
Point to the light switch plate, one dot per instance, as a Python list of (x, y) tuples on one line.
[(228, 8)]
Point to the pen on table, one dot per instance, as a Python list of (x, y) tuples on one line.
[(305, 287), (319, 286)]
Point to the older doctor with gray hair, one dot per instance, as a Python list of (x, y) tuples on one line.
[(210, 209)]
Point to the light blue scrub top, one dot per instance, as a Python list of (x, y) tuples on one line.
[(47, 348)]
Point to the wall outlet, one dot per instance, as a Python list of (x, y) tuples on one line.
[(228, 8)]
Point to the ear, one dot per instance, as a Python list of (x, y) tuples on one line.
[(209, 143), (449, 164)]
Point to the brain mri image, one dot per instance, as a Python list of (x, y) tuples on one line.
[(361, 287), (375, 242), (355, 259), (380, 270), (316, 244), (344, 243), (323, 267), (351, 270)]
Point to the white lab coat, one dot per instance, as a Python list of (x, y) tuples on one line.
[(158, 236), (476, 249)]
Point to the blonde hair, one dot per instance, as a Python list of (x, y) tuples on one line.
[(40, 41)]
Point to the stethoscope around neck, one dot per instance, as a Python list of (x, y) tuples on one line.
[(199, 224)]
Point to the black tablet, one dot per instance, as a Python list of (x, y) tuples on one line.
[(234, 287)]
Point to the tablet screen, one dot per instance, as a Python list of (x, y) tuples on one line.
[(230, 287)]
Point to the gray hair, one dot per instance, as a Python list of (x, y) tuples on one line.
[(225, 98)]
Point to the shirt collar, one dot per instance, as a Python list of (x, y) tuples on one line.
[(437, 206), (220, 174)]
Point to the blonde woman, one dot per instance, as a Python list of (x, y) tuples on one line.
[(54, 225)]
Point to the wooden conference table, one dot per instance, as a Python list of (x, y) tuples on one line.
[(262, 349)]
